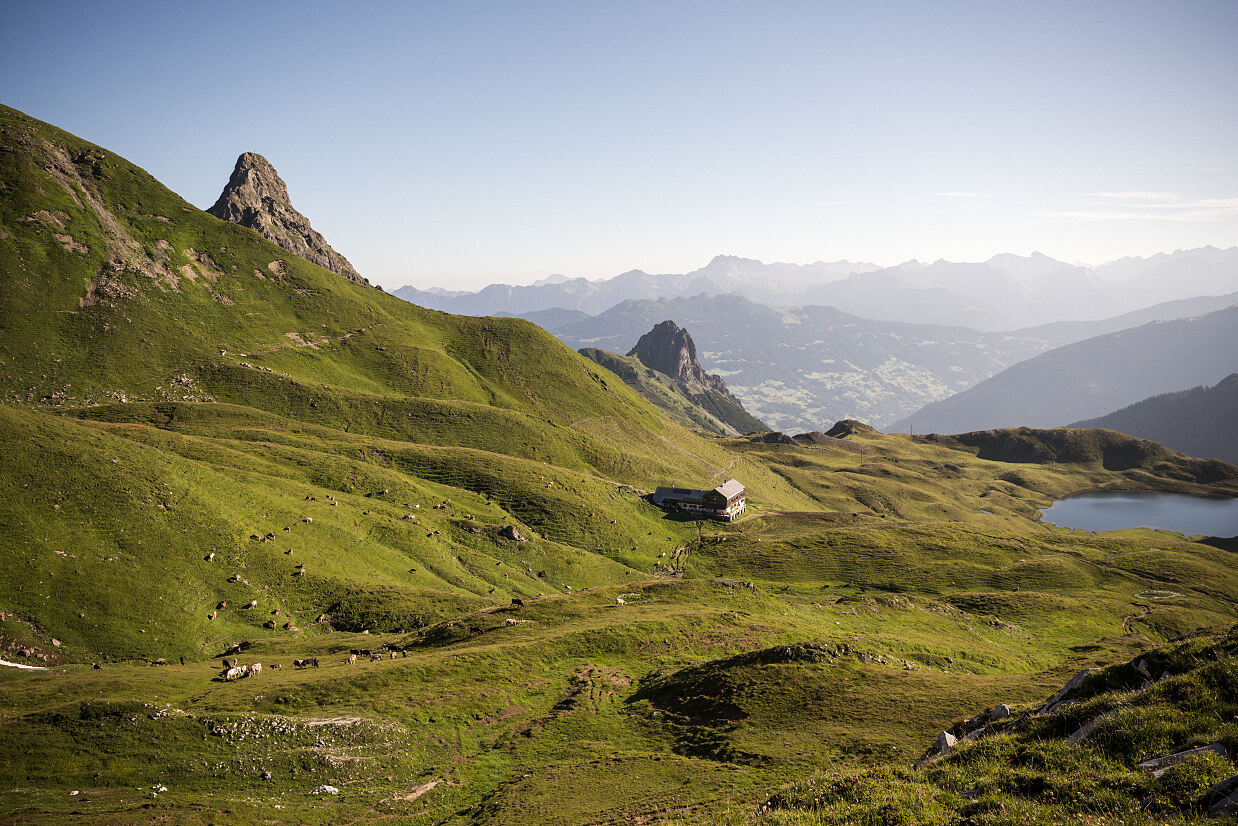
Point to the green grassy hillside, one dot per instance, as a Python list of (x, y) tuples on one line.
[(212, 449), (1081, 762)]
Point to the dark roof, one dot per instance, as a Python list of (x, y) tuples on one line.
[(727, 490)]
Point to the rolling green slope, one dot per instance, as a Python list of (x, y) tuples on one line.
[(211, 363), (117, 290)]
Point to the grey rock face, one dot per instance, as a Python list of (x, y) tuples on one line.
[(257, 198), (669, 349)]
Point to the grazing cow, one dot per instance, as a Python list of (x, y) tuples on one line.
[(352, 658), (235, 673), (274, 665), (299, 663), (393, 655), (313, 661), (377, 655)]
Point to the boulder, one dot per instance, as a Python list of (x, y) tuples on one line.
[(1072, 685), (510, 532), (1221, 798)]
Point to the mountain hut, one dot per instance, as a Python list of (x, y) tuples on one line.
[(726, 502)]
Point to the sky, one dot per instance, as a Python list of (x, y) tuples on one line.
[(456, 144)]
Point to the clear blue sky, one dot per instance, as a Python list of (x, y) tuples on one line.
[(460, 143)]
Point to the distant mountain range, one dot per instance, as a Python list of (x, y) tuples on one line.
[(779, 283), (1090, 378), (1002, 293), (1202, 421), (804, 368), (1010, 291)]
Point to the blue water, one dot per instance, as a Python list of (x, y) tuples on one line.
[(1111, 510)]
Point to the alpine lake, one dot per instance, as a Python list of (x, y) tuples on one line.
[(1114, 510)]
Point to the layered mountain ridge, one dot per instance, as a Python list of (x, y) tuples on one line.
[(1202, 421), (1005, 292), (1092, 377)]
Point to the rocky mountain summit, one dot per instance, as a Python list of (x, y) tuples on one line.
[(257, 198), (669, 349)]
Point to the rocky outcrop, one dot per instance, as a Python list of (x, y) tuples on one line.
[(774, 438), (669, 349), (850, 427), (510, 532), (257, 198)]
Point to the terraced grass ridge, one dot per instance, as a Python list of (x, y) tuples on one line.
[(214, 450)]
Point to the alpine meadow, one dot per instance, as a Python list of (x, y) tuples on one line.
[(277, 546), (619, 414)]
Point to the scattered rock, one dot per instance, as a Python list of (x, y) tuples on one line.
[(1071, 686), (325, 789), (1221, 798), (1158, 765)]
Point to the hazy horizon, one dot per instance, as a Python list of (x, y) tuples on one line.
[(459, 146), (922, 261)]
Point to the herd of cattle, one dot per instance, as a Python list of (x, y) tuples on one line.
[(235, 671)]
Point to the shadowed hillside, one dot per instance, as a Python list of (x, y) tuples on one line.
[(1200, 421), (1091, 377)]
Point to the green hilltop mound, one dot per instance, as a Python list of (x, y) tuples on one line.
[(1107, 448), (434, 534)]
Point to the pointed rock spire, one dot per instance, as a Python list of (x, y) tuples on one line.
[(669, 349), (257, 198)]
